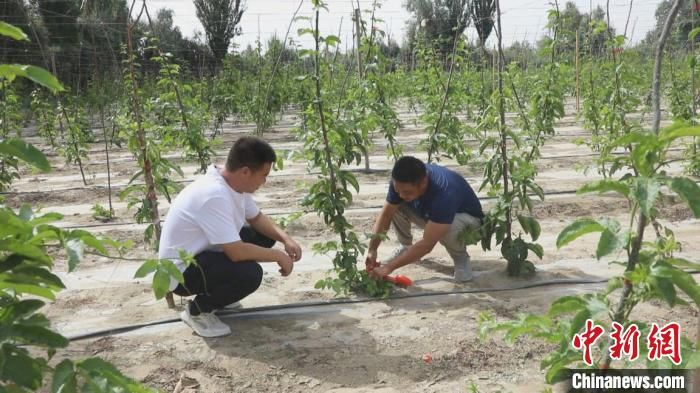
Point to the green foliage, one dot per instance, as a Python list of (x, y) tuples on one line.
[(510, 170), (330, 143), (102, 214), (26, 270), (148, 120), (653, 272), (10, 110), (77, 133), (44, 110), (163, 270), (441, 103), (368, 99), (182, 117), (611, 91)]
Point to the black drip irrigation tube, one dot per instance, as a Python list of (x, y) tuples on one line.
[(252, 310)]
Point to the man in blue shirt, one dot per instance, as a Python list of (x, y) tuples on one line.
[(434, 198)]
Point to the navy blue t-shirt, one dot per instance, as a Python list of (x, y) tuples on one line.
[(447, 194)]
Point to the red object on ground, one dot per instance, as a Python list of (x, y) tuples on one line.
[(427, 358), (399, 280)]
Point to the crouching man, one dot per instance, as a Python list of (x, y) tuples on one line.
[(434, 198), (216, 220)]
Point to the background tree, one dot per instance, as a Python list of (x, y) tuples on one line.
[(219, 19), (437, 20), (60, 17), (679, 31), (590, 28), (481, 12)]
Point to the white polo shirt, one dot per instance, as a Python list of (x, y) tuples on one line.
[(204, 215)]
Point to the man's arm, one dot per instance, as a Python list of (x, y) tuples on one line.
[(432, 234), (242, 251), (381, 226), (267, 227)]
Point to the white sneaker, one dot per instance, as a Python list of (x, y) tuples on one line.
[(463, 270), (205, 324), (233, 306), (396, 252)]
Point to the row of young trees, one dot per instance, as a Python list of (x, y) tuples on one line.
[(347, 101)]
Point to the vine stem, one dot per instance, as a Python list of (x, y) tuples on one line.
[(502, 123), (446, 96), (140, 132), (658, 56), (324, 130), (624, 307)]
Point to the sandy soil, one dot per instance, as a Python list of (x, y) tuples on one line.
[(373, 346)]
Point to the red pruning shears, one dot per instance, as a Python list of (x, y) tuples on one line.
[(398, 280)]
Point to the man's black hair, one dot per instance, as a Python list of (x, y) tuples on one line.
[(250, 151), (408, 169)]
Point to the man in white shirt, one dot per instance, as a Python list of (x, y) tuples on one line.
[(216, 220)]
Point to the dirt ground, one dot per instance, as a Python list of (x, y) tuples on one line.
[(372, 346)]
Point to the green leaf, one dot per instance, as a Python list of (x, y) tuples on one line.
[(645, 192), (332, 40), (40, 275), (46, 218), (33, 73), (161, 283), (610, 242), (530, 225), (687, 283), (683, 263), (22, 288), (565, 305), (304, 31), (602, 186), (694, 361), (577, 229), (24, 151), (172, 270), (38, 335), (536, 248), (29, 251), (670, 134), (21, 368), (64, 378), (74, 249), (579, 321), (689, 191), (693, 33), (13, 32), (104, 373), (94, 243), (148, 267), (665, 288), (22, 308)]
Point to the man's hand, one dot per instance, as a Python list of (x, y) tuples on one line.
[(371, 260), (380, 271), (293, 250), (286, 264)]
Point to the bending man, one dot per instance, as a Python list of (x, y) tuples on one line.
[(434, 198)]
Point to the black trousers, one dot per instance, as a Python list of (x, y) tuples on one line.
[(218, 281)]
